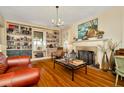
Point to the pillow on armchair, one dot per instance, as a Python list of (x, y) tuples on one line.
[(3, 63)]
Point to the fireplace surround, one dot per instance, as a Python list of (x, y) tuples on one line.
[(92, 46)]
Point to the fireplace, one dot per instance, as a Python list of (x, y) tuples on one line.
[(91, 45), (87, 56)]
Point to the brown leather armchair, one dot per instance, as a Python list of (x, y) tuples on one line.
[(17, 71), (58, 54)]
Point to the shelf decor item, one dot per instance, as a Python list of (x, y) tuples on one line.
[(112, 45), (75, 39), (100, 34)]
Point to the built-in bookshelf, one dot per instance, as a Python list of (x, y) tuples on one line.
[(29, 40), (52, 41), (19, 39)]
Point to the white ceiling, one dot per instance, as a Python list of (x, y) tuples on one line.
[(42, 15)]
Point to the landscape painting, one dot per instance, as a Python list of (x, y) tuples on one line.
[(84, 27)]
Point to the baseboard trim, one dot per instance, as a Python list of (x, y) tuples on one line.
[(38, 59)]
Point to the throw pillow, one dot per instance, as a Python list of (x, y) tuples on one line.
[(3, 64)]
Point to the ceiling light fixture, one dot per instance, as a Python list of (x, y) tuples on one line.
[(57, 22)]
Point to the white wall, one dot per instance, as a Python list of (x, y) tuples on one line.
[(111, 22), (123, 27), (2, 35)]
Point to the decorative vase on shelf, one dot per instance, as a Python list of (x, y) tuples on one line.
[(105, 64)]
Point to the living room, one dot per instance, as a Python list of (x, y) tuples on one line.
[(45, 40)]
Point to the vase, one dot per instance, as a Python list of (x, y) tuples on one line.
[(105, 64), (112, 60)]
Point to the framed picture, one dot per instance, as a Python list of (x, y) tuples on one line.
[(84, 27)]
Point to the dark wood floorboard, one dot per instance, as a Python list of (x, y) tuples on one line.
[(61, 77)]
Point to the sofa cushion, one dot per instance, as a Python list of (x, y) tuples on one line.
[(3, 63), (26, 77), (12, 69), (19, 78), (2, 58), (18, 61), (3, 68)]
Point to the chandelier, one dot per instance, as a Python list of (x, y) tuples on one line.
[(57, 22)]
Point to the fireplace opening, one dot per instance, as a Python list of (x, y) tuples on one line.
[(87, 56)]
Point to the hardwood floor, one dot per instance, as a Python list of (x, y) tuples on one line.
[(61, 77)]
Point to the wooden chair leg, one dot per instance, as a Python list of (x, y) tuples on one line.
[(116, 80)]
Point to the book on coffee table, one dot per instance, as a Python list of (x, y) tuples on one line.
[(71, 62), (76, 62)]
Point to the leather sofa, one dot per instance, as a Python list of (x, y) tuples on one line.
[(17, 71)]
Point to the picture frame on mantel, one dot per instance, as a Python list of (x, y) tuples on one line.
[(88, 29)]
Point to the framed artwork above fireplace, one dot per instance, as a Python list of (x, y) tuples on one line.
[(85, 27)]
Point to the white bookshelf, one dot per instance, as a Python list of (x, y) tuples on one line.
[(19, 39), (52, 41), (15, 42), (18, 36)]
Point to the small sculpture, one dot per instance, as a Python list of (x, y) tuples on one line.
[(100, 34), (91, 33)]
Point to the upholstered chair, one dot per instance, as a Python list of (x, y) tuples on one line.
[(58, 54), (119, 62)]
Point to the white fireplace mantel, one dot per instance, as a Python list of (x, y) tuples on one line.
[(94, 40), (90, 44)]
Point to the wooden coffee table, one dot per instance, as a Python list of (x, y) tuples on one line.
[(71, 65)]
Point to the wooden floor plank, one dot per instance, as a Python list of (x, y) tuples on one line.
[(61, 77)]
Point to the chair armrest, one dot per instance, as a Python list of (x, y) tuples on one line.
[(5, 79), (18, 61), (20, 78)]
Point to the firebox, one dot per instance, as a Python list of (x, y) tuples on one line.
[(87, 56)]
